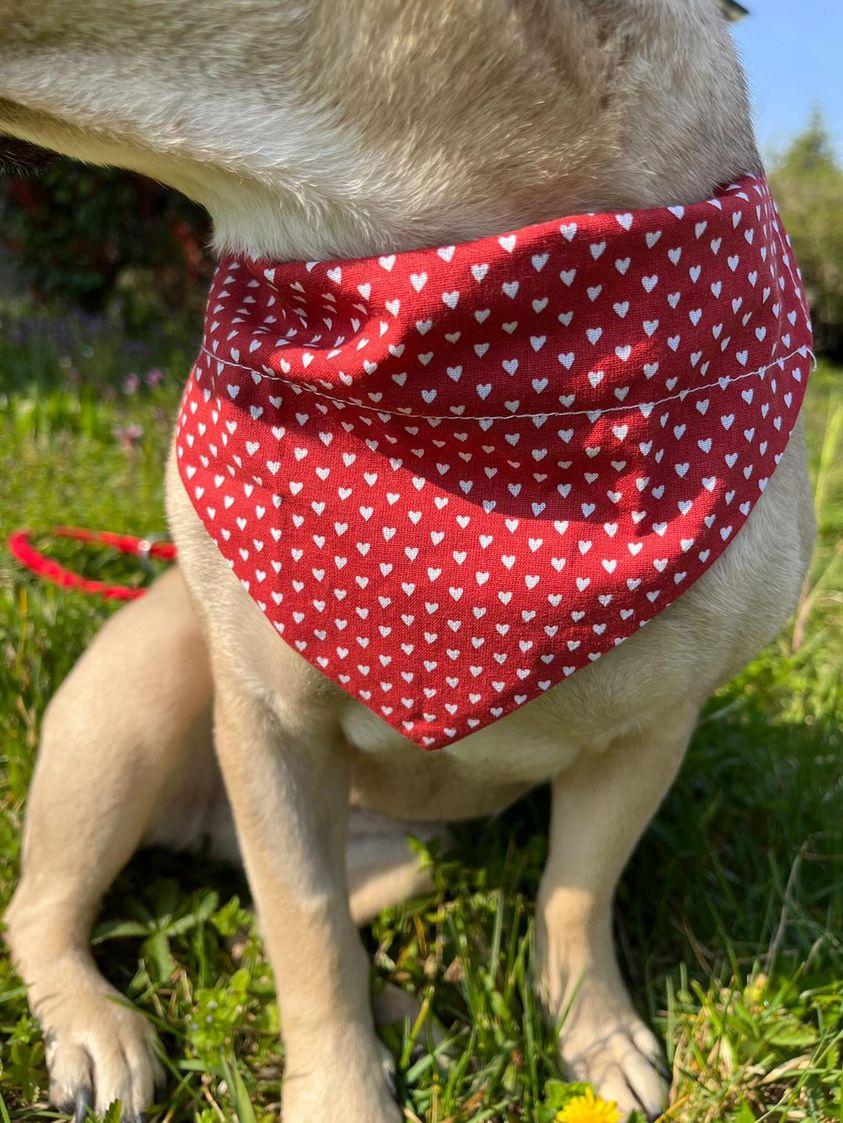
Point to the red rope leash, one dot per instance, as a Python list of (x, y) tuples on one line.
[(49, 569)]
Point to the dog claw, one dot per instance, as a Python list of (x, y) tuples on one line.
[(652, 1115), (389, 1075), (641, 1108), (83, 1103)]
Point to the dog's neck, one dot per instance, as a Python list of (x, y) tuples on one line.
[(332, 130)]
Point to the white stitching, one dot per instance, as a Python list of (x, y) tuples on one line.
[(591, 413)]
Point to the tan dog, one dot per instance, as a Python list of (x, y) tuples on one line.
[(315, 128)]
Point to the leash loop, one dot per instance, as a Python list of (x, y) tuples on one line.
[(47, 568)]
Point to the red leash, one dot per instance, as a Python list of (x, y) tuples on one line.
[(49, 569)]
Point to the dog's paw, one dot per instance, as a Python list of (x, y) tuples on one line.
[(609, 1046), (353, 1081), (99, 1051)]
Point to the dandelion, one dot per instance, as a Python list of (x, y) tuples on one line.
[(589, 1108)]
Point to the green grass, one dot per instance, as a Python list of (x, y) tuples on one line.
[(730, 927)]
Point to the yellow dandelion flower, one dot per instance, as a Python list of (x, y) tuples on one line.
[(589, 1108)]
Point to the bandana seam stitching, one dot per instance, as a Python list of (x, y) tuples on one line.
[(803, 352)]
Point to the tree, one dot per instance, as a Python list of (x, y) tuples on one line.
[(807, 181)]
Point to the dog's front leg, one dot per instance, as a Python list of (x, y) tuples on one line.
[(601, 805), (289, 791)]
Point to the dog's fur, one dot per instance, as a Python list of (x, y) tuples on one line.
[(314, 128)]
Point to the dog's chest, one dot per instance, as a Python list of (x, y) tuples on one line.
[(526, 748)]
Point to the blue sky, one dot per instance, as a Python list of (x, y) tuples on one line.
[(793, 54)]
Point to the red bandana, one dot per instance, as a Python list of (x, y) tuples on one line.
[(452, 477)]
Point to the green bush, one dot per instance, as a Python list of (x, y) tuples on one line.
[(86, 236)]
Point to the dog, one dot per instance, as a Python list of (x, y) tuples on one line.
[(312, 129)]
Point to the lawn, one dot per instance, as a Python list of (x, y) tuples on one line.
[(730, 918)]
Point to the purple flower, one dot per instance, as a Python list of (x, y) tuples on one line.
[(129, 436), (154, 378), (131, 384)]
